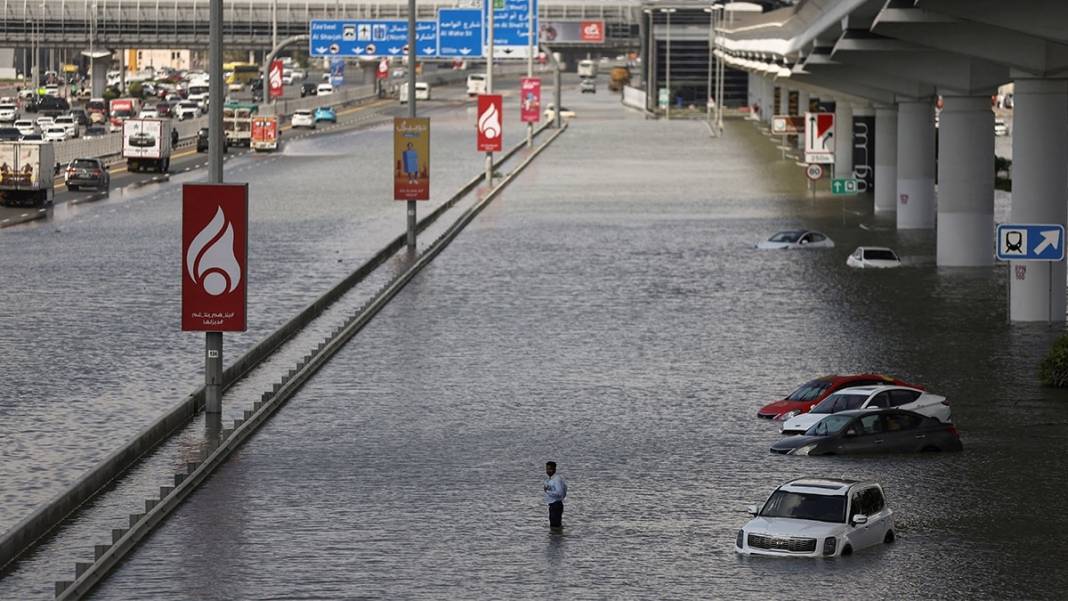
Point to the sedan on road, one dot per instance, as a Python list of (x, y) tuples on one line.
[(55, 133), (793, 239), (818, 517), (202, 141), (68, 123), (882, 431), (810, 393), (873, 257), (303, 118), (87, 173), (308, 89), (871, 398), (324, 89), (187, 109), (96, 131), (565, 113), (10, 133), (25, 127), (325, 113)]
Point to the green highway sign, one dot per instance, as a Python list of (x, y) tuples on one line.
[(843, 186)]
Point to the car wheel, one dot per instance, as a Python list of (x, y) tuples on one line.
[(847, 550), (889, 538)]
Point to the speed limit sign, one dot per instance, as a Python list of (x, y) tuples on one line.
[(814, 172)]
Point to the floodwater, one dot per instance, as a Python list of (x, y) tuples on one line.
[(609, 312)]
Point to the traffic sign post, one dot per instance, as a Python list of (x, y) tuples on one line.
[(1031, 242), (819, 138), (513, 21), (845, 186), (813, 172), (370, 38), (460, 32)]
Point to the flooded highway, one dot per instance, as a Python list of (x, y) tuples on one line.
[(608, 312)]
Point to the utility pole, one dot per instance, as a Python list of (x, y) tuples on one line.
[(530, 61), (412, 53), (668, 12), (213, 356)]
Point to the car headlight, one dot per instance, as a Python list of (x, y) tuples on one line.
[(830, 544), (785, 416), (805, 450), (740, 539)]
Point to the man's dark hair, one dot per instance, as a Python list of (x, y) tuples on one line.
[(551, 464)]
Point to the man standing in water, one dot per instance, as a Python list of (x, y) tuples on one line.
[(555, 490)]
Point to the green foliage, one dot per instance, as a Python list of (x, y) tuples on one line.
[(135, 90), (1054, 368), (111, 93)]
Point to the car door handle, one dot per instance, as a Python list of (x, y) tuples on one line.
[(921, 436)]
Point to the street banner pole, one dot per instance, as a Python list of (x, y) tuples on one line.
[(412, 53), (213, 341), (530, 63), (489, 78)]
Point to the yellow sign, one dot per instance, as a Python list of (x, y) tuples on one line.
[(411, 159)]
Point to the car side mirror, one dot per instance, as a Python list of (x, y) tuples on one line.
[(860, 519), (752, 509)]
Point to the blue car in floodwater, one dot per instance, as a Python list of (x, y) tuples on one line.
[(325, 113)]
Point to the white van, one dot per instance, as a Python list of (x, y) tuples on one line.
[(587, 68), (476, 84), (422, 91)]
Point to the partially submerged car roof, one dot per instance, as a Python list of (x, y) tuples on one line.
[(819, 486)]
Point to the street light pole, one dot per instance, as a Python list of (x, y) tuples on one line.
[(489, 79), (668, 12), (213, 357), (412, 53), (530, 63)]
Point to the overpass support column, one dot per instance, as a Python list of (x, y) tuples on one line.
[(802, 108), (915, 165), (843, 139), (784, 101), (966, 182), (885, 159), (1039, 190)]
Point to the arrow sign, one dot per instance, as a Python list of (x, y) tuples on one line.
[(367, 37), (1030, 242)]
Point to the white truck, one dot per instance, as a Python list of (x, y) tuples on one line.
[(587, 68), (27, 173), (146, 144)]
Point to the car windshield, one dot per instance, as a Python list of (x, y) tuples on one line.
[(879, 255), (832, 424), (121, 113), (805, 506), (785, 237), (809, 391), (840, 402)]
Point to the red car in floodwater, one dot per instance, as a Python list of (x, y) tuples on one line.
[(808, 394)]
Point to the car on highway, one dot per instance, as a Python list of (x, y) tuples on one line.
[(818, 517), (588, 85), (1000, 127), (54, 133), (882, 431), (80, 117), (149, 112), (10, 133), (9, 112), (303, 118), (32, 138), (873, 257), (871, 398), (476, 84), (96, 131), (807, 395), (422, 91), (165, 108), (203, 141), (794, 239), (49, 105), (52, 90), (68, 123), (44, 122), (308, 89), (25, 127), (325, 113), (565, 113), (324, 89), (87, 173), (187, 109)]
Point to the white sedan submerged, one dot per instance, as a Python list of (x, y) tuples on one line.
[(879, 257), (871, 397), (817, 517), (796, 239)]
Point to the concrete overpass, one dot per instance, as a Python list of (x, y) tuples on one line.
[(891, 59)]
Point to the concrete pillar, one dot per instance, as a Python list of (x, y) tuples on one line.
[(802, 108), (885, 158), (99, 76), (843, 139), (966, 182), (915, 165), (863, 145), (784, 101), (1039, 190)]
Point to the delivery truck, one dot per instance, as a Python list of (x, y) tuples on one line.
[(237, 122), (264, 133), (146, 144), (27, 173)]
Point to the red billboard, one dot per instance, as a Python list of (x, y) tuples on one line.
[(214, 257), (490, 132), (274, 79), (530, 100), (411, 158), (383, 69), (592, 31)]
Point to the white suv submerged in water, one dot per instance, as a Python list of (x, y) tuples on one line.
[(816, 517)]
